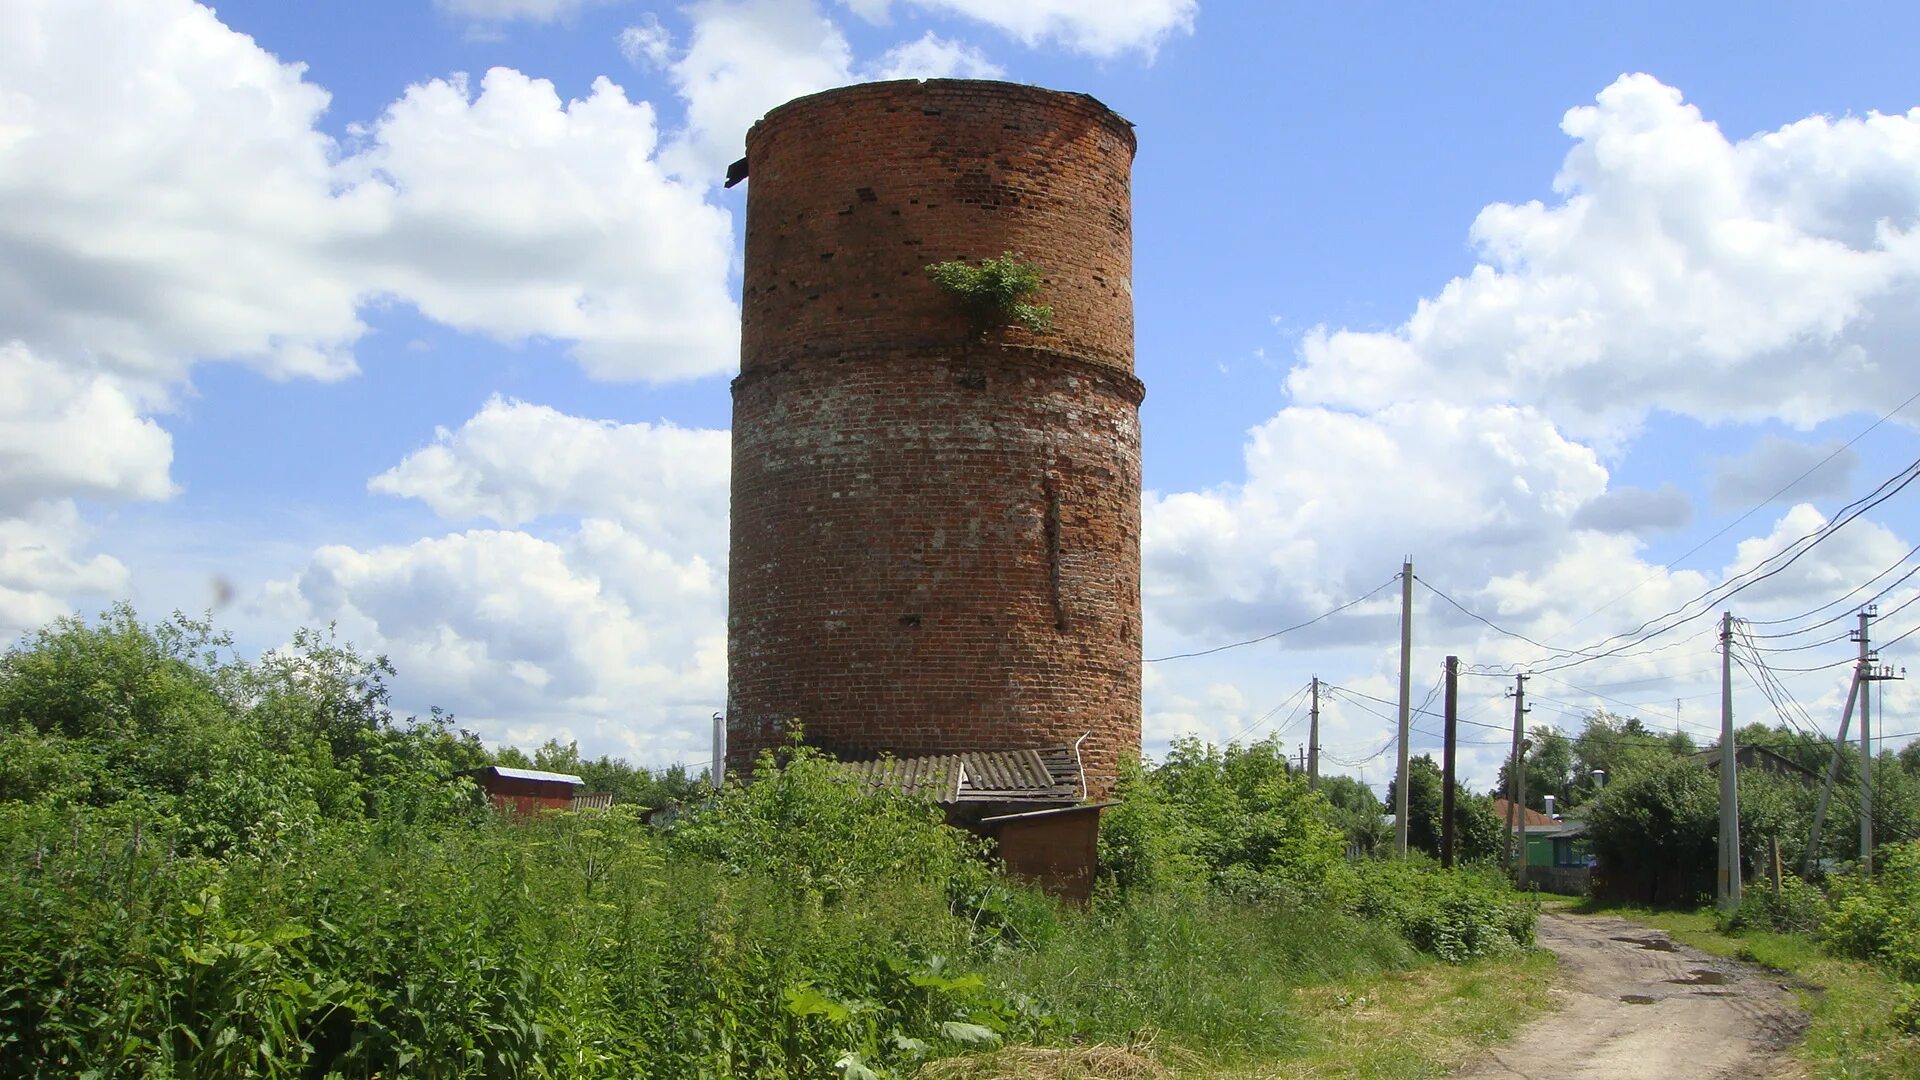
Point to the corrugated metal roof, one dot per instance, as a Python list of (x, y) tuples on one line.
[(1047, 773), (533, 774)]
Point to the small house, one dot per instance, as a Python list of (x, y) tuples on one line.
[(1558, 855), (526, 791)]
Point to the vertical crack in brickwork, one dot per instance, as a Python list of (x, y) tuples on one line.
[(1053, 556)]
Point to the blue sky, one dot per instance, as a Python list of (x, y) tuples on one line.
[(1543, 297)]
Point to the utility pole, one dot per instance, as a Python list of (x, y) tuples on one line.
[(1446, 760), (1833, 773), (1406, 707), (718, 772), (1313, 738), (1728, 879), (1517, 780), (1866, 742)]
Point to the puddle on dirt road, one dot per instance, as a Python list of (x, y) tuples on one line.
[(1654, 944), (1703, 977), (1638, 999)]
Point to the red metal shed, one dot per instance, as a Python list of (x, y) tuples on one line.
[(526, 791)]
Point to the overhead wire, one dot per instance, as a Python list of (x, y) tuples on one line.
[(1277, 633), (1762, 570), (1754, 509)]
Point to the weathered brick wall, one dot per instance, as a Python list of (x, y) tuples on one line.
[(936, 538)]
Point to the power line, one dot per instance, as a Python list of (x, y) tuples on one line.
[(1754, 509), (1737, 583), (1855, 591), (1294, 698), (1288, 630)]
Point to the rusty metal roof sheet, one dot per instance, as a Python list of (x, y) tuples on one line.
[(529, 774), (1048, 773)]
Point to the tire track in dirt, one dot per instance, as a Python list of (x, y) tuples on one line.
[(1634, 1003)]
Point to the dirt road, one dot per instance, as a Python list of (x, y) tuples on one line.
[(1636, 1004)]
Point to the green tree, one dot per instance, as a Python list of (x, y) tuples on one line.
[(1549, 764), (1358, 813), (166, 721), (1238, 815), (1477, 829), (1618, 747)]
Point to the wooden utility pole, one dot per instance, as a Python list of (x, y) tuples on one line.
[(1866, 742), (1517, 781), (1313, 737), (1446, 762), (1728, 877), (1833, 772), (1406, 707)]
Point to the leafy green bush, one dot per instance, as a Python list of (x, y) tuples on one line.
[(1906, 1013), (1798, 908), (224, 754), (805, 823), (570, 944), (997, 290), (1209, 817), (1456, 915), (1878, 918)]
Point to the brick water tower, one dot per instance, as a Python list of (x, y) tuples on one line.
[(936, 527)]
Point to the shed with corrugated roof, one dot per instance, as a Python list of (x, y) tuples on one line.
[(1028, 801)]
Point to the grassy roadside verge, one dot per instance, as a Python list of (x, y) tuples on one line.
[(1850, 1001), (1402, 1025)]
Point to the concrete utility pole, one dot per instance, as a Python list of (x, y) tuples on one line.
[(718, 772), (1406, 706), (1866, 742), (1728, 892), (1516, 780), (1313, 737), (1833, 773), (1446, 762)]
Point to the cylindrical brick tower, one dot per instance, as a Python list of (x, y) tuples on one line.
[(935, 532)]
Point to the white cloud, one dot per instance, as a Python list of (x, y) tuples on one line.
[(1772, 276), (743, 58), (65, 432), (933, 57), (1762, 473), (1102, 28), (1635, 509), (647, 43), (608, 626), (1331, 502), (518, 215), (168, 197), (513, 463), (1838, 563), (171, 200), (41, 570), (538, 11), (594, 636)]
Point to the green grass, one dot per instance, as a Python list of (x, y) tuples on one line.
[(1850, 1002), (1198, 972), (1424, 1021)]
